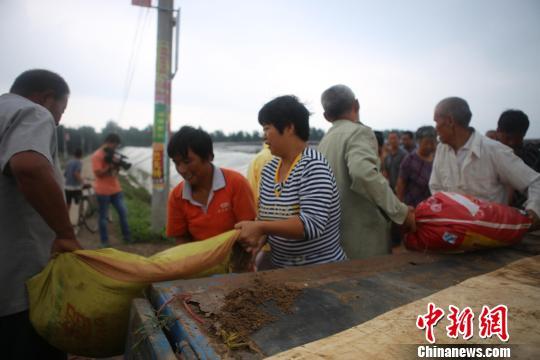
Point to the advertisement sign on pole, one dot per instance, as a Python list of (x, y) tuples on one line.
[(145, 3)]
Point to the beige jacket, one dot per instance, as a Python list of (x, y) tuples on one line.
[(351, 150)]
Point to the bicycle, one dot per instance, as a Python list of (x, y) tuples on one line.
[(88, 209)]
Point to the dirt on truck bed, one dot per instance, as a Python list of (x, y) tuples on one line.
[(248, 309)]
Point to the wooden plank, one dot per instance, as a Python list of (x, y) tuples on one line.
[(516, 285)]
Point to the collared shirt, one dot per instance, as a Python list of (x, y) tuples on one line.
[(463, 151), (218, 182), (230, 201), (487, 171)]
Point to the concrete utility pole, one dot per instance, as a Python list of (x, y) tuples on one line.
[(162, 114), (162, 106)]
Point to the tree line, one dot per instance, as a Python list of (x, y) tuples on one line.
[(88, 139)]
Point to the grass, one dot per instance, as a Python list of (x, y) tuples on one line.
[(153, 324), (139, 206)]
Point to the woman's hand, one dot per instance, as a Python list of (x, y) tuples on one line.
[(251, 233)]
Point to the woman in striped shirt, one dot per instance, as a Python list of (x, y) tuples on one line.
[(299, 208)]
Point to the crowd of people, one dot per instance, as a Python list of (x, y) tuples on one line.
[(345, 199), (349, 198)]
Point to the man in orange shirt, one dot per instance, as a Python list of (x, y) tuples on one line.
[(107, 188), (210, 200)]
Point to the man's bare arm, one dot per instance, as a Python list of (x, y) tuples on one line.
[(35, 179)]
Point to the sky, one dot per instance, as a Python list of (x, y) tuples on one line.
[(399, 57)]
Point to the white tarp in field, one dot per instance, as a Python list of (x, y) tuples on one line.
[(231, 156)]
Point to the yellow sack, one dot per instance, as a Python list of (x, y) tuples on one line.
[(80, 302)]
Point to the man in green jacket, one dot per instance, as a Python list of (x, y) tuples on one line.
[(367, 201)]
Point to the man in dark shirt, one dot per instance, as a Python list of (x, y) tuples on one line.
[(511, 130), (393, 160), (407, 141)]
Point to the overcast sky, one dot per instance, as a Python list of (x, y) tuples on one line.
[(400, 58)]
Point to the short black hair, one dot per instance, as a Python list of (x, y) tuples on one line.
[(286, 110), (39, 81), (408, 132), (112, 138), (78, 153), (513, 122), (198, 140), (427, 131)]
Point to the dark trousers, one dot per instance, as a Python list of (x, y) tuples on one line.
[(117, 200), (19, 340), (395, 234)]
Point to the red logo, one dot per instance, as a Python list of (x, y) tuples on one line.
[(490, 322), (494, 322), (461, 322), (429, 321)]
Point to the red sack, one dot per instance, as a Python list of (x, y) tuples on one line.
[(454, 222)]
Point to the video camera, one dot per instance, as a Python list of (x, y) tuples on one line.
[(116, 159)]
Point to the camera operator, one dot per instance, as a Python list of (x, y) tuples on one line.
[(106, 164)]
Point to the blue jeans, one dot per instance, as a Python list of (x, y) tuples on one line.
[(117, 200)]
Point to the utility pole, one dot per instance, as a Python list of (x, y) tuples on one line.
[(162, 114), (162, 106)]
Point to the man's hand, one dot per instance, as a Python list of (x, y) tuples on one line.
[(64, 245), (409, 225), (250, 234), (534, 219)]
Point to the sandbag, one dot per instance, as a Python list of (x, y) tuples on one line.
[(80, 302), (451, 222)]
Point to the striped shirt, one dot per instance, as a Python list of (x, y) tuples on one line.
[(309, 192)]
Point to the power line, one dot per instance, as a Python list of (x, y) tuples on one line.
[(134, 57)]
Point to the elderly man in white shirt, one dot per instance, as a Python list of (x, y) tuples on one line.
[(470, 163)]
